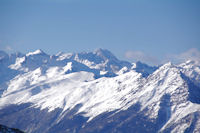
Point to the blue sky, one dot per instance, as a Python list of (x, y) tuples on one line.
[(149, 30)]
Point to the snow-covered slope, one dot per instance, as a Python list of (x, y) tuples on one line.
[(94, 90)]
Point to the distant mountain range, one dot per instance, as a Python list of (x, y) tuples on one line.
[(94, 92)]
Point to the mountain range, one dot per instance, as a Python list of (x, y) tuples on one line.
[(94, 92)]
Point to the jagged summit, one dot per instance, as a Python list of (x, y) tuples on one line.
[(105, 54)]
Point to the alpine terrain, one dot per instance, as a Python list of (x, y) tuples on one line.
[(5, 129), (94, 92)]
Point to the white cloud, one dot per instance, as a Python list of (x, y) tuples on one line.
[(191, 54), (141, 56), (8, 48)]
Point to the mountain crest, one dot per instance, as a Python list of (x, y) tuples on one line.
[(36, 52)]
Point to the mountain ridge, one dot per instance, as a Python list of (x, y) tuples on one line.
[(92, 87)]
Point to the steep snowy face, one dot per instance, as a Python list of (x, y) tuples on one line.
[(191, 69), (56, 89), (166, 80)]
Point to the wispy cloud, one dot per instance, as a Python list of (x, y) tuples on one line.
[(141, 56), (191, 54)]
